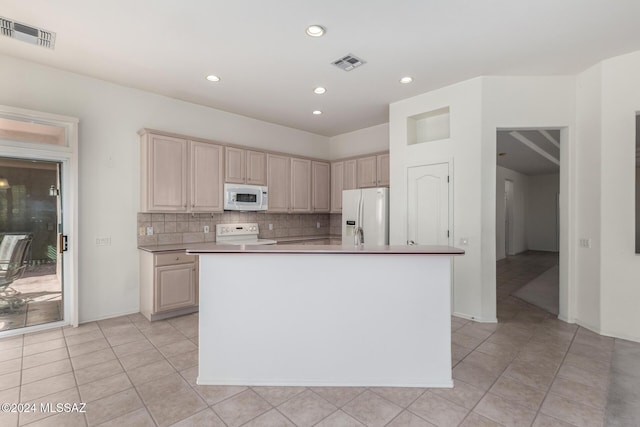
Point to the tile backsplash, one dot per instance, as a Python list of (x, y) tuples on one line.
[(171, 228)]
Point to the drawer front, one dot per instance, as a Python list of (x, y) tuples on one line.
[(175, 258)]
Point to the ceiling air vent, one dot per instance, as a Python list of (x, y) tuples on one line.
[(27, 33), (349, 62)]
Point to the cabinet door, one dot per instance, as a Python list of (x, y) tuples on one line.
[(167, 174), (234, 165), (206, 177), (320, 186), (278, 183), (367, 175), (300, 185), (256, 168), (350, 175), (383, 170), (337, 182), (175, 287)]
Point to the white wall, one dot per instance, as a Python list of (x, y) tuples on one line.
[(478, 108), (542, 210), (620, 283), (362, 141), (463, 153), (588, 175), (518, 204), (110, 115), (527, 102)]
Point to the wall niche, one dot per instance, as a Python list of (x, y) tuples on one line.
[(430, 126)]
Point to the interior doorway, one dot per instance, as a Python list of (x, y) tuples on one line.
[(527, 215), (31, 278)]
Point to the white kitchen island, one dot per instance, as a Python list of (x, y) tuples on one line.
[(325, 315)]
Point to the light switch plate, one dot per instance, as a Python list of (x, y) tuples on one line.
[(149, 231)]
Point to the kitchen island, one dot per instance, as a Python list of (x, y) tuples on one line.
[(325, 315)]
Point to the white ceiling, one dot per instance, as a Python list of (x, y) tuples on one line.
[(269, 66), (529, 151)]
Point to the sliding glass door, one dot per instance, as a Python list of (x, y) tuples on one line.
[(31, 270)]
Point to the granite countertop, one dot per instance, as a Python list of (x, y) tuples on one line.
[(326, 249), (184, 246)]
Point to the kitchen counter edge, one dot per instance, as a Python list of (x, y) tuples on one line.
[(326, 249)]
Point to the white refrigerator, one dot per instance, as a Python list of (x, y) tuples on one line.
[(365, 216)]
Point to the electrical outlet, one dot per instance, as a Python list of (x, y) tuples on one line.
[(206, 228), (142, 231), (103, 241), (149, 231), (317, 225), (585, 242), (271, 227)]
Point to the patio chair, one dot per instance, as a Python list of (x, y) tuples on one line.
[(15, 267)]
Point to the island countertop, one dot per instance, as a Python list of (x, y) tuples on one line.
[(324, 249)]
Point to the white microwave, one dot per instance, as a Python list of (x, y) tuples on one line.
[(241, 197)]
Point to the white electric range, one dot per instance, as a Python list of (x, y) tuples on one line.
[(240, 234)]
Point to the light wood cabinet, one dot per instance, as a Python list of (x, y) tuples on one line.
[(337, 184), (320, 186), (350, 174), (245, 166), (168, 284), (278, 183), (300, 200), (367, 172), (234, 165), (164, 164), (382, 170), (206, 177), (178, 175), (256, 168)]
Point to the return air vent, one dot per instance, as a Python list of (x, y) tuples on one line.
[(349, 62), (27, 33)]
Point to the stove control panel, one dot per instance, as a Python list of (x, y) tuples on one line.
[(246, 229)]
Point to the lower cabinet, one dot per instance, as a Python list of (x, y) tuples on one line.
[(168, 284)]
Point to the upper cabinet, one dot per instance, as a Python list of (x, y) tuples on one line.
[(178, 175), (234, 165), (320, 185), (256, 168), (383, 170), (165, 176), (278, 182), (367, 175), (206, 177), (350, 180), (245, 166), (368, 171), (337, 185), (300, 196)]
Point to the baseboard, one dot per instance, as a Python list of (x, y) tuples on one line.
[(108, 316), (474, 318)]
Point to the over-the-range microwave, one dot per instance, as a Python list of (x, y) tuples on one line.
[(241, 197)]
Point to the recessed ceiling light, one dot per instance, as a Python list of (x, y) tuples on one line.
[(315, 30), (317, 112), (406, 80), (213, 78), (319, 90)]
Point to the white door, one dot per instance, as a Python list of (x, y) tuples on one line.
[(428, 204)]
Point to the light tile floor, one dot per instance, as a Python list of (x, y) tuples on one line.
[(530, 369)]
